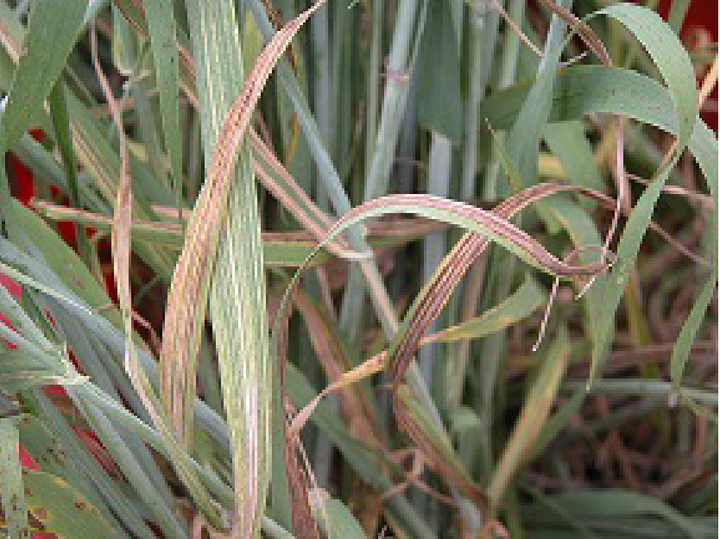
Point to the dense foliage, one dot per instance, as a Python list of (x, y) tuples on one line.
[(408, 268)]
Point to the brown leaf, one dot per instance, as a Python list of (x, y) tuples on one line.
[(122, 217), (293, 197), (303, 522), (330, 351), (371, 366), (437, 460)]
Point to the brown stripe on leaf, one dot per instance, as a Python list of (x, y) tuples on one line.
[(187, 299), (441, 463), (303, 522), (332, 355), (432, 299)]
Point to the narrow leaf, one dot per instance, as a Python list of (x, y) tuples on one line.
[(161, 26), (582, 90), (616, 505), (45, 52), (533, 416), (674, 64), (528, 297), (683, 344)]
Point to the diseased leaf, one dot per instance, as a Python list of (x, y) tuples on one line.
[(225, 229), (435, 446), (483, 222), (332, 354), (12, 494), (64, 510), (120, 244), (303, 523), (369, 367), (51, 456), (64, 328), (188, 292)]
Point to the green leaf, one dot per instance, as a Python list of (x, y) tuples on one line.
[(583, 90), (64, 262), (63, 135), (439, 100), (12, 495), (65, 510), (612, 505), (670, 57), (556, 422), (47, 46), (674, 65), (155, 496), (683, 344), (48, 43), (23, 367), (335, 519), (634, 386), (537, 406), (61, 125), (528, 297), (568, 142), (678, 10), (524, 137), (161, 26)]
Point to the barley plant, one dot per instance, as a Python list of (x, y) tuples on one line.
[(382, 268)]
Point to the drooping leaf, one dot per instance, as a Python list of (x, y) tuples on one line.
[(582, 90)]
